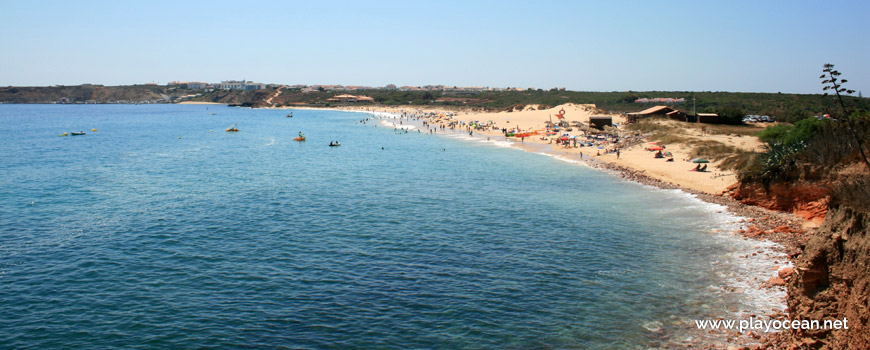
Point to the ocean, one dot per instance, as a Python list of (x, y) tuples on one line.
[(161, 230)]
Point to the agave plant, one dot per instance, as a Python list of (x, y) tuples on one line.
[(780, 160)]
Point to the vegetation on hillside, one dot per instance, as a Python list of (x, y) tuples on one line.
[(830, 150)]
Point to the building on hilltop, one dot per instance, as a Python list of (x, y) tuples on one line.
[(232, 85), (241, 85)]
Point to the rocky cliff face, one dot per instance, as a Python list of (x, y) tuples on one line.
[(249, 98), (83, 93), (832, 281), (807, 200)]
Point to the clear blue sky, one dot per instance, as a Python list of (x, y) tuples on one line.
[(766, 46)]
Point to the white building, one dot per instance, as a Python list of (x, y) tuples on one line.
[(232, 85), (241, 85)]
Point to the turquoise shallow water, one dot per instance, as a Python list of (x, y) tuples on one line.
[(132, 237)]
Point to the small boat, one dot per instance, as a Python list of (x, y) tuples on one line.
[(77, 133), (290, 115), (232, 128), (299, 138), (334, 144)]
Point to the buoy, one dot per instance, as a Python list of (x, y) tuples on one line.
[(94, 130), (66, 134), (179, 137)]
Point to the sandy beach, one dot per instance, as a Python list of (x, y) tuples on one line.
[(632, 156)]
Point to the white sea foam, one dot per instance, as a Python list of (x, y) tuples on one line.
[(740, 269), (749, 265), (498, 143), (564, 159), (468, 138), (391, 124)]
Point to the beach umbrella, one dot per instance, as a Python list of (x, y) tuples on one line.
[(656, 148), (700, 160)]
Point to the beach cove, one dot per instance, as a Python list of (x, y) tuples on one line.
[(394, 239)]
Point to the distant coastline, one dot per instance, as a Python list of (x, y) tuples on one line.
[(781, 105)]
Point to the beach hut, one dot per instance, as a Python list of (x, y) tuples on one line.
[(677, 115), (709, 118), (599, 122), (660, 111)]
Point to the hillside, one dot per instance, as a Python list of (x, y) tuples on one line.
[(786, 107), (91, 94)]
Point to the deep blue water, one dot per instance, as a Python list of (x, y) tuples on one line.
[(160, 230)]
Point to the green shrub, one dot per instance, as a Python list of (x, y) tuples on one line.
[(774, 132), (731, 115)]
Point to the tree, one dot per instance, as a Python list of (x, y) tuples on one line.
[(832, 81), (731, 115)]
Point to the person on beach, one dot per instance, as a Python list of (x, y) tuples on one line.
[(617, 154)]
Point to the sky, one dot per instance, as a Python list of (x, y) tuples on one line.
[(747, 46)]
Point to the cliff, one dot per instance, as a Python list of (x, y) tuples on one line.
[(808, 200), (247, 98), (90, 93), (832, 281)]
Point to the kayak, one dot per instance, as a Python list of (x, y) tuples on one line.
[(298, 139)]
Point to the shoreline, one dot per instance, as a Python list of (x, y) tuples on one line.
[(200, 103), (784, 231)]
